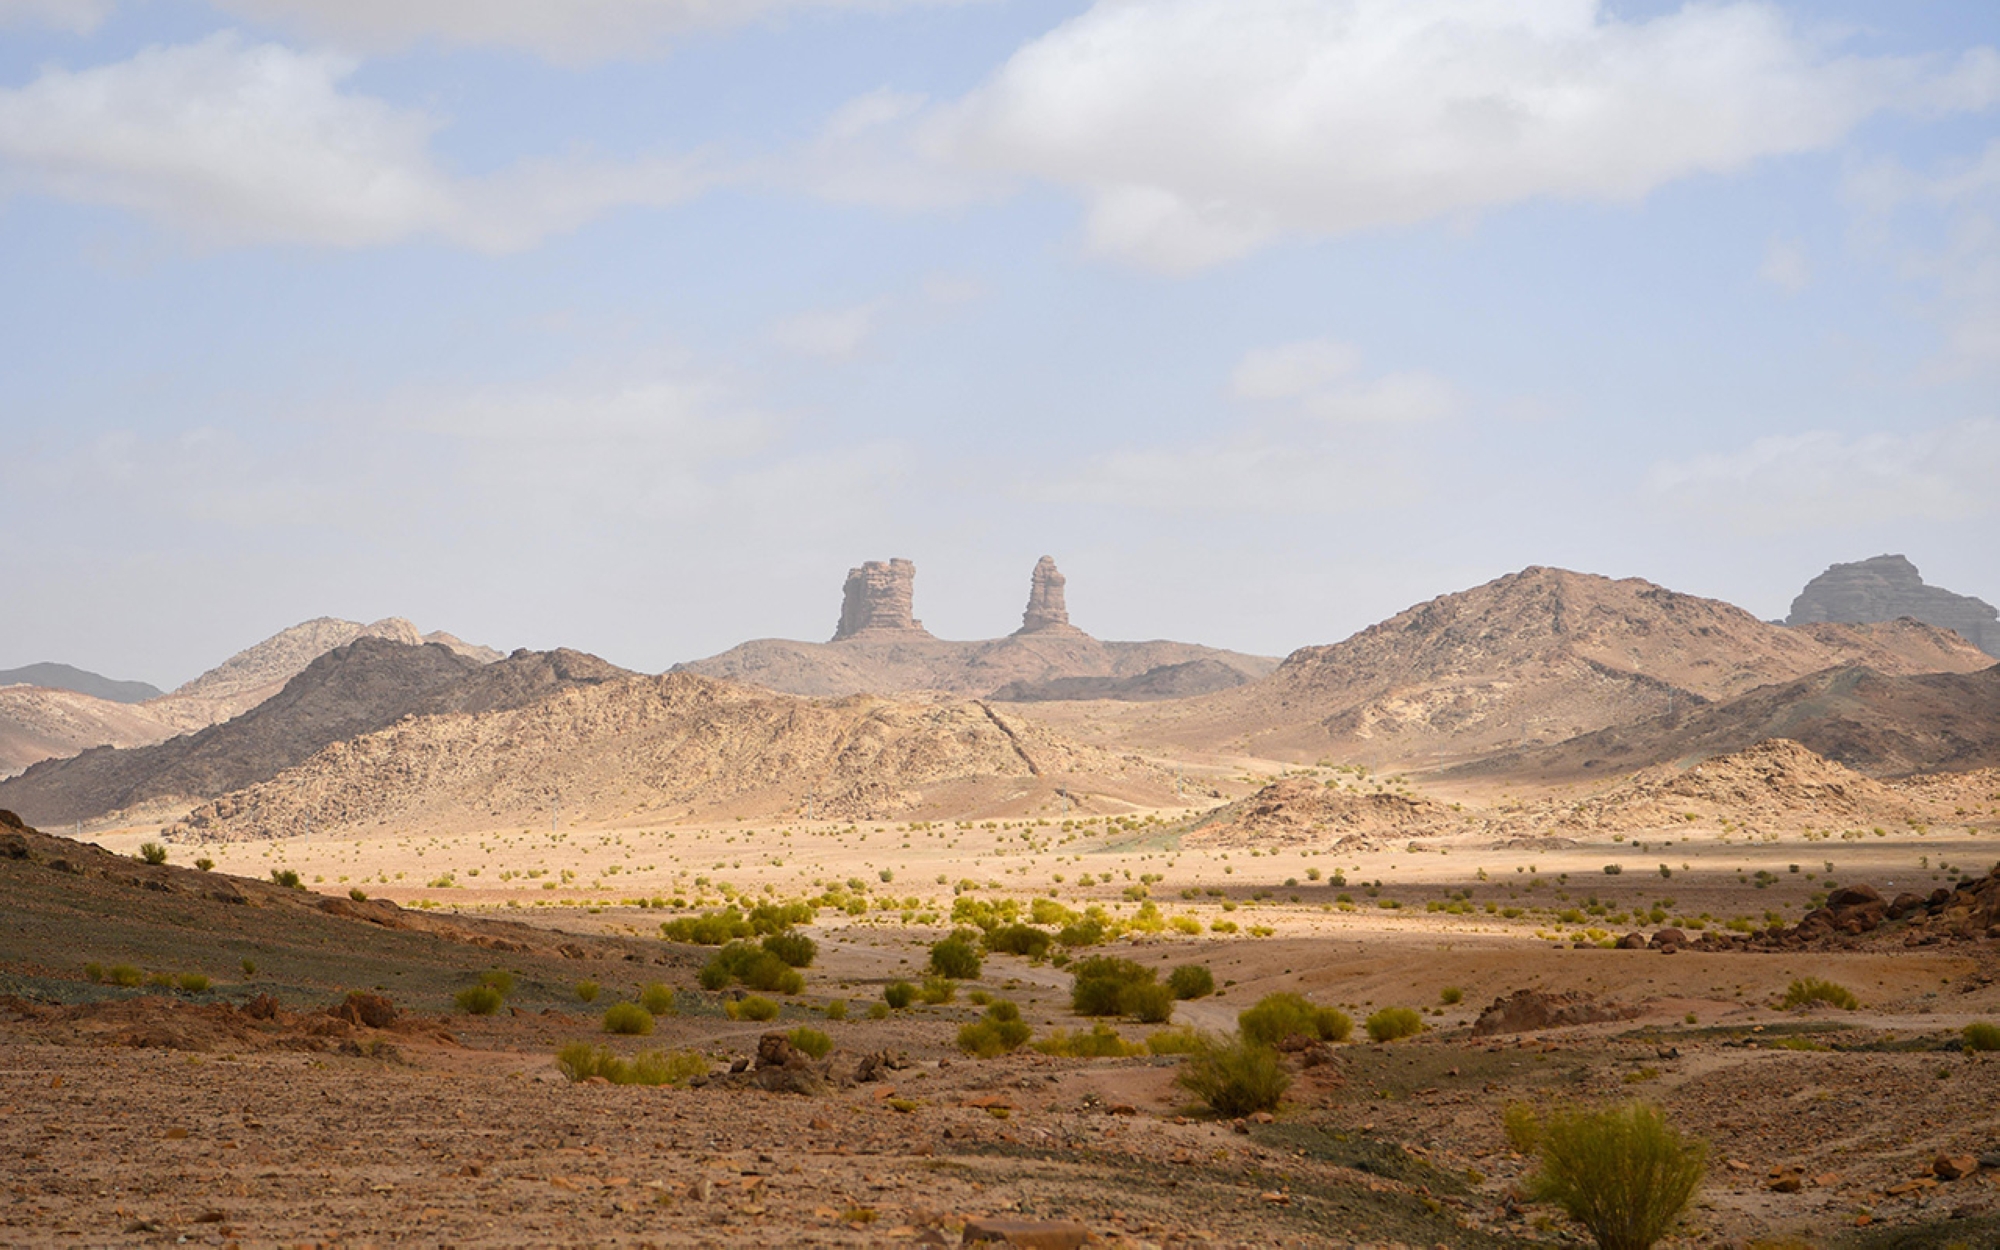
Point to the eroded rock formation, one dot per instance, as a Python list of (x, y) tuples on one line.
[(878, 600), (1888, 587), (1047, 613)]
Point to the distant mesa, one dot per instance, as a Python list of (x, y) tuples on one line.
[(879, 599), (1887, 588), (1047, 612), (78, 681)]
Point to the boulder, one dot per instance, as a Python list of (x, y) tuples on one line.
[(1665, 938), (372, 1010), (1027, 1234), (1954, 1167), (1632, 942), (1525, 1011)]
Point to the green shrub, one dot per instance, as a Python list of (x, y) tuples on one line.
[(755, 967), (1451, 995), (1813, 990), (287, 878), (878, 1011), (93, 972), (586, 991), (837, 1009), (796, 949), (899, 994), (1148, 1003), (153, 852), (163, 980), (1088, 931), (1623, 1173), (498, 980), (579, 1061), (1235, 1078), (811, 1041), (709, 929), (249, 967), (205, 864), (1279, 1016), (996, 1033), (754, 1008), (358, 894), (1019, 939), (1523, 1126), (1393, 1023), (193, 982), (937, 989), (1191, 981), (1101, 1042), (1982, 1036), (1105, 985), (630, 1019), (479, 1000), (955, 957), (658, 999), (1184, 1040)]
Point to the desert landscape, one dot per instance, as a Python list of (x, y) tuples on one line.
[(534, 948)]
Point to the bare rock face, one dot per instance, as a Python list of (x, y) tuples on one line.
[(878, 600), (1888, 587), (1047, 613)]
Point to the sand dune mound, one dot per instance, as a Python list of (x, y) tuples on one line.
[(676, 746)]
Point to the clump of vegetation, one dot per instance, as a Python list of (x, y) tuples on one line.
[(937, 989), (1019, 939), (499, 980), (205, 864), (1101, 1042), (1184, 1040), (1191, 981), (1235, 1078), (629, 1019), (1279, 1016), (479, 1000), (1523, 1127), (996, 1033), (1394, 1023), (93, 972), (1623, 1173), (193, 982), (579, 1061), (287, 877), (659, 1000), (1982, 1036), (837, 1009), (811, 1041), (358, 894), (878, 1011), (1808, 990), (956, 957), (796, 949), (249, 967), (899, 994), (1451, 995), (755, 967), (586, 991), (153, 852), (1105, 985), (754, 1007)]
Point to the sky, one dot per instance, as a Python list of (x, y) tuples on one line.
[(632, 325)]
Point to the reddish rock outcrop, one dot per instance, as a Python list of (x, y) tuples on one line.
[(1047, 612), (878, 599)]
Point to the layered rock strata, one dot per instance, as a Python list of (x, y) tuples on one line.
[(1047, 612), (878, 599), (1886, 588)]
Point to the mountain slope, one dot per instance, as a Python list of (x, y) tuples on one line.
[(678, 745), (78, 681)]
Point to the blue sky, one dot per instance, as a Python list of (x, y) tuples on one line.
[(630, 325)]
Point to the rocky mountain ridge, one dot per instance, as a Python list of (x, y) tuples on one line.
[(1888, 587)]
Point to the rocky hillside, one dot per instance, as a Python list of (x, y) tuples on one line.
[(79, 681), (365, 685), (1885, 588), (1538, 656), (880, 648), (680, 746), (1872, 722), (37, 723)]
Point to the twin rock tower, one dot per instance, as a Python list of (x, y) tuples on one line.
[(880, 596)]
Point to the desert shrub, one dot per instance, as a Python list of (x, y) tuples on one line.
[(769, 918), (837, 1009), (579, 1061), (1813, 990), (93, 971), (499, 980), (937, 989), (1105, 985), (955, 957), (658, 999), (630, 1019), (1100, 1042), (1394, 1023), (811, 1041), (287, 878), (755, 1007), (996, 1033), (249, 967), (1088, 931), (1148, 1003), (153, 852), (899, 994), (708, 929), (193, 982), (1191, 981), (1235, 1078), (796, 949), (161, 980), (479, 1000), (1451, 995), (205, 864), (1186, 924), (1019, 939), (1523, 1127), (1982, 1036), (586, 991), (1623, 1173), (753, 966), (358, 894), (878, 1011), (1184, 1040), (1279, 1016)]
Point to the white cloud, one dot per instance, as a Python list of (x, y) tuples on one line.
[(1827, 479), (833, 334), (565, 30), (77, 16), (1199, 130), (1785, 266), (1952, 249), (232, 142), (1317, 377)]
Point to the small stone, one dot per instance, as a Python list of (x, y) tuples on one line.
[(1028, 1234), (1954, 1167)]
